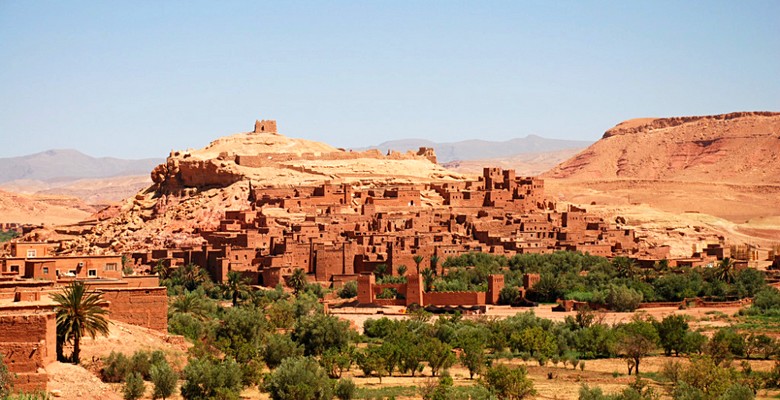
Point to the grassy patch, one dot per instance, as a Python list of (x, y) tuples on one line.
[(386, 391), (762, 323)]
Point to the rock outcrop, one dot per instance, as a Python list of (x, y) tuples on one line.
[(193, 188), (736, 147)]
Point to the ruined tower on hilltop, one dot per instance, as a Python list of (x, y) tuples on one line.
[(264, 126)]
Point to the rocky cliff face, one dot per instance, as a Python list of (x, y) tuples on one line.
[(737, 147), (193, 188)]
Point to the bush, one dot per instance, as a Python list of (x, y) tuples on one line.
[(116, 368), (186, 325), (134, 387), (349, 290), (298, 378), (345, 389), (767, 300), (621, 298), (508, 383), (508, 295), (319, 332), (278, 348), (206, 378), (164, 379)]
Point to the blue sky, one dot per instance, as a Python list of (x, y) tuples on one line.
[(137, 79)]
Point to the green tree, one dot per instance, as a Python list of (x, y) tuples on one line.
[(508, 383), (336, 361), (402, 270), (370, 361), (319, 332), (671, 333), (439, 355), (536, 341), (78, 314), (164, 379), (637, 340), (134, 387), (277, 348), (235, 287), (473, 357), (299, 378), (297, 281), (206, 378)]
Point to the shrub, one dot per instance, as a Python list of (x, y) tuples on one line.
[(508, 295), (349, 290), (134, 387), (298, 378), (164, 379), (508, 383), (278, 348), (206, 378), (345, 389), (319, 332), (186, 325), (621, 298), (116, 368)]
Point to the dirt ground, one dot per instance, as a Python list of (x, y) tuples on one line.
[(700, 316), (82, 383)]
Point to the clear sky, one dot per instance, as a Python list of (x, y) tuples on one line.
[(138, 78)]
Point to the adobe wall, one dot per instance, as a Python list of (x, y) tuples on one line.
[(28, 343), (454, 298), (147, 307)]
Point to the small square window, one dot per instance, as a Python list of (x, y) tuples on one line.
[(45, 270), (92, 273), (32, 253)]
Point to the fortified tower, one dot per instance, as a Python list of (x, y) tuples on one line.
[(265, 126)]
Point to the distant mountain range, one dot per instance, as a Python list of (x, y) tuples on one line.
[(483, 149), (67, 165)]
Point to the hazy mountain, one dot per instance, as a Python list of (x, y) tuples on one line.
[(484, 149), (67, 164)]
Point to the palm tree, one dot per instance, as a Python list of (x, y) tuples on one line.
[(163, 270), (380, 270), (297, 281), (625, 267), (402, 270), (427, 278), (434, 264), (417, 260), (235, 286), (725, 271), (78, 313), (193, 303), (190, 276)]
